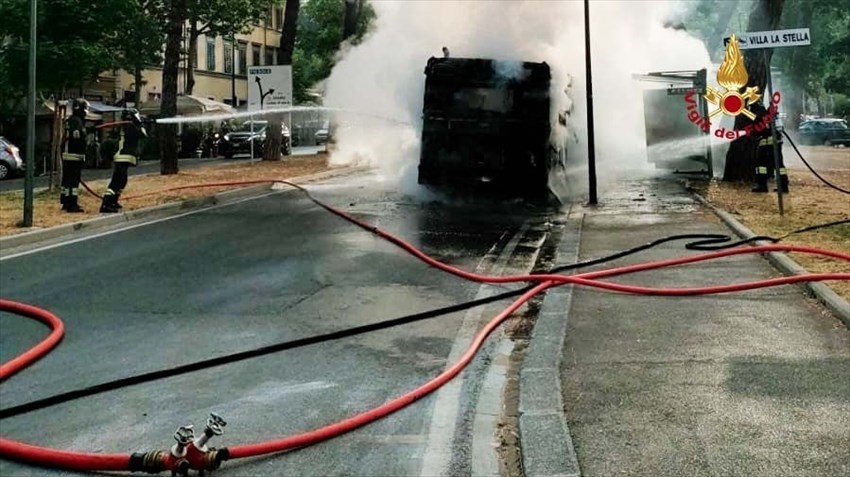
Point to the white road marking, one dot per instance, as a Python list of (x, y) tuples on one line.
[(438, 452), (130, 227)]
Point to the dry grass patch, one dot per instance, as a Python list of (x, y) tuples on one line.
[(47, 213), (809, 203)]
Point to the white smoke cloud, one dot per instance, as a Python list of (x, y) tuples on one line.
[(383, 76)]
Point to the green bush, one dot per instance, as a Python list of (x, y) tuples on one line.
[(842, 106)]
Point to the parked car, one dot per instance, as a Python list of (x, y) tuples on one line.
[(10, 159), (323, 135), (240, 139), (824, 131)]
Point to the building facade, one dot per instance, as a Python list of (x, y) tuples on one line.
[(219, 64)]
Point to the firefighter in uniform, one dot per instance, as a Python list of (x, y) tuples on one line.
[(765, 165), (128, 150), (74, 157)]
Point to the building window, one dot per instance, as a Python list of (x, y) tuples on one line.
[(243, 58), (255, 55), (278, 18), (228, 57), (270, 55), (211, 53)]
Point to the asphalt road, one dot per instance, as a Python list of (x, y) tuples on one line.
[(145, 167), (238, 277)]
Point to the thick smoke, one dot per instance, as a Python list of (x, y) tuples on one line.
[(383, 76)]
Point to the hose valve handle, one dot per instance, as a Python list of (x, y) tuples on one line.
[(184, 435), (215, 423)]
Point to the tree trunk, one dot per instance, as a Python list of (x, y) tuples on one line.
[(168, 132), (137, 78), (191, 52), (798, 68), (284, 57), (741, 156), (55, 151), (349, 24)]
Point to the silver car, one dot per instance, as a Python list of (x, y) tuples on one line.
[(10, 159)]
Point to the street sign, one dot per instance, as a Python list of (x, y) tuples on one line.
[(772, 39), (269, 87), (684, 90)]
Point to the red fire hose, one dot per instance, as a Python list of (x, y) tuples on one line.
[(53, 458)]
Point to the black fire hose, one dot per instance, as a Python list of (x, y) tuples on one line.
[(830, 184)]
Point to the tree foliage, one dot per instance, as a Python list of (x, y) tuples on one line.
[(140, 44), (222, 18), (320, 36), (76, 41), (822, 67)]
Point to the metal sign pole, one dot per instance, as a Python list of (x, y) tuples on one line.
[(30, 159), (252, 140), (591, 144), (775, 136)]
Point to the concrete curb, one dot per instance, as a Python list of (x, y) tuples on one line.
[(545, 440), (160, 211), (837, 305)]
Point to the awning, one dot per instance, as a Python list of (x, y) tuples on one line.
[(189, 106), (101, 108)]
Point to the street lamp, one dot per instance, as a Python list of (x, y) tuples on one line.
[(591, 152), (30, 159)]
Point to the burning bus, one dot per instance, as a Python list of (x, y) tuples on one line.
[(487, 126)]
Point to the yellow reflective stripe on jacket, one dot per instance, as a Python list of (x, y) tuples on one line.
[(761, 170), (782, 171), (125, 158), (69, 156)]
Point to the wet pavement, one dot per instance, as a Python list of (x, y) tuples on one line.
[(754, 383), (750, 384), (238, 277)]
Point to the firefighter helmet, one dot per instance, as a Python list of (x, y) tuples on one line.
[(129, 114), (79, 107)]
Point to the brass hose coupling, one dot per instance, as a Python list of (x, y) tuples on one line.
[(188, 453)]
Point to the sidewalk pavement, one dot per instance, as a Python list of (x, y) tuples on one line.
[(750, 384)]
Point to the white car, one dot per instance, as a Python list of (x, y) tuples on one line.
[(10, 159), (322, 136)]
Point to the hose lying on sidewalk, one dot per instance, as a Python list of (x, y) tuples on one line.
[(161, 460)]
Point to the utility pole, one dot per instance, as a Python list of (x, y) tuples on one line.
[(591, 152), (30, 159), (233, 64)]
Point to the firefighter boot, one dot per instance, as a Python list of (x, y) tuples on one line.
[(116, 203), (109, 205), (761, 183), (72, 205)]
